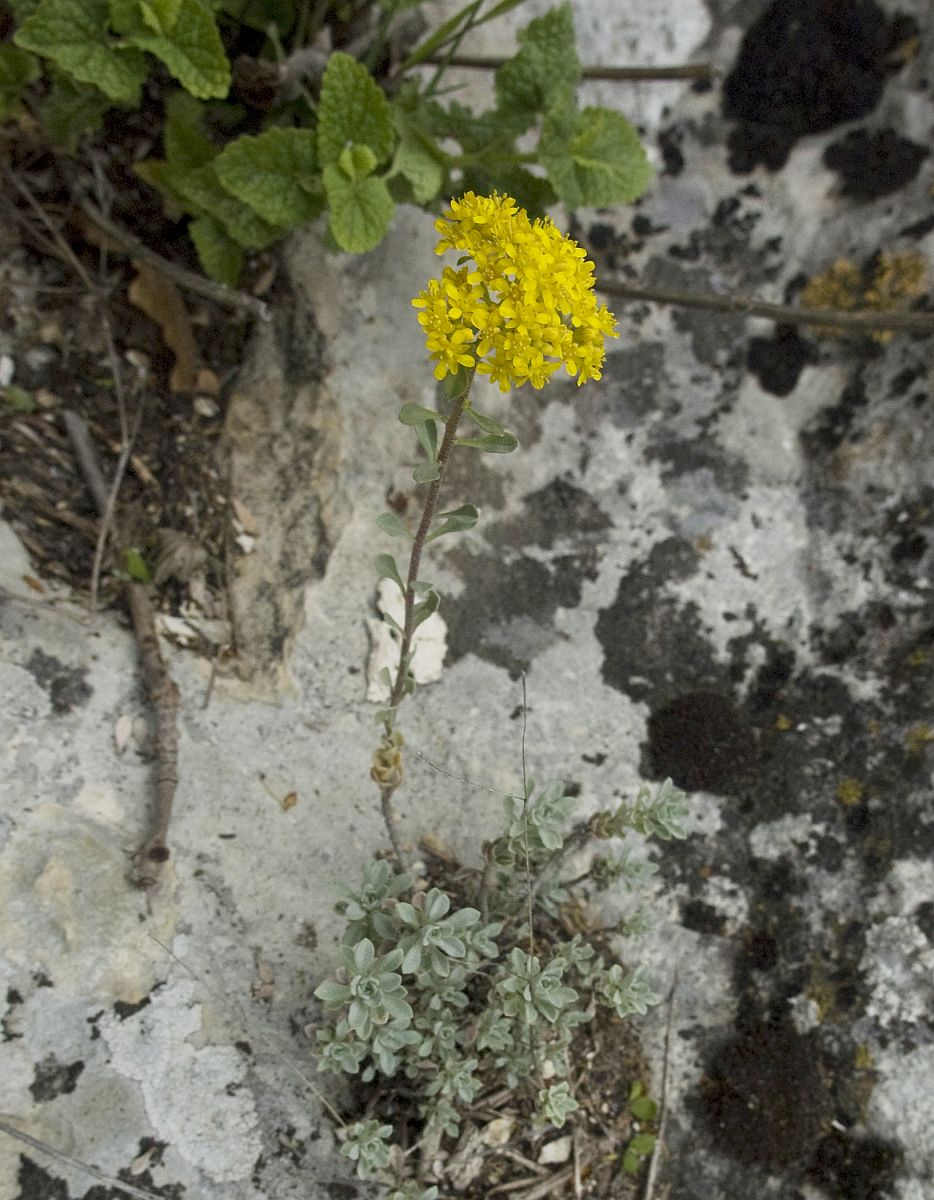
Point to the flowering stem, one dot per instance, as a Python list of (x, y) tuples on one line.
[(424, 525), (389, 781)]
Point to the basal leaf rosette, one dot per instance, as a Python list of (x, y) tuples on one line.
[(520, 302)]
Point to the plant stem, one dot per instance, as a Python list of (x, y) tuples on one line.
[(387, 789), (459, 404)]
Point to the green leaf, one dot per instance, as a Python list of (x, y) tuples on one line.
[(18, 68), (361, 209), (275, 173), (442, 34), (416, 414), (357, 161), (202, 194), (493, 443), (487, 424), (135, 565), (427, 434), (220, 256), (643, 1108), (419, 159), (390, 523), (426, 472), (642, 1144), (73, 33), (455, 521), (160, 15), (423, 611), (21, 9), (386, 569), (547, 62), (18, 398), (352, 110), (457, 383), (594, 157), (260, 14), (191, 48), (184, 140), (71, 110)]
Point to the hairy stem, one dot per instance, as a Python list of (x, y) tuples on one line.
[(418, 545), (389, 783)]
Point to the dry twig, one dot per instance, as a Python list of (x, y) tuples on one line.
[(190, 280), (703, 72), (34, 1143), (163, 693), (784, 314)]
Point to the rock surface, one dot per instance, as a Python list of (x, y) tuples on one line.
[(714, 564)]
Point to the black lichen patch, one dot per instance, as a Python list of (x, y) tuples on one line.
[(124, 1009), (701, 918), (558, 510), (669, 143), (67, 686), (683, 456), (35, 1183), (924, 919), (876, 163), (651, 642), (766, 1101), (831, 426), (803, 67), (702, 741), (506, 612), (777, 362), (633, 381), (53, 1078), (845, 1166)]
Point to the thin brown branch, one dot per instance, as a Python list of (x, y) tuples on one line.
[(649, 1191), (63, 250), (391, 821), (784, 314), (693, 71), (547, 1186), (59, 1155), (190, 280), (108, 512), (163, 694)]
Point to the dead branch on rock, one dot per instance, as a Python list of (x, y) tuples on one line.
[(160, 687), (784, 314), (59, 1155), (703, 72)]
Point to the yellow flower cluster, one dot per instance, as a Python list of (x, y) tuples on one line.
[(520, 303)]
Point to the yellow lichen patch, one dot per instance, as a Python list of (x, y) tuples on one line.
[(918, 737), (783, 723), (918, 658), (863, 1060), (889, 283), (849, 791)]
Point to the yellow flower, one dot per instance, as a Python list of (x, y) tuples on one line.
[(519, 304)]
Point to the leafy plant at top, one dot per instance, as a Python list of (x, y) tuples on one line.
[(354, 150)]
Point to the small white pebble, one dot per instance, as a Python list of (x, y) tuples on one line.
[(7, 370)]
